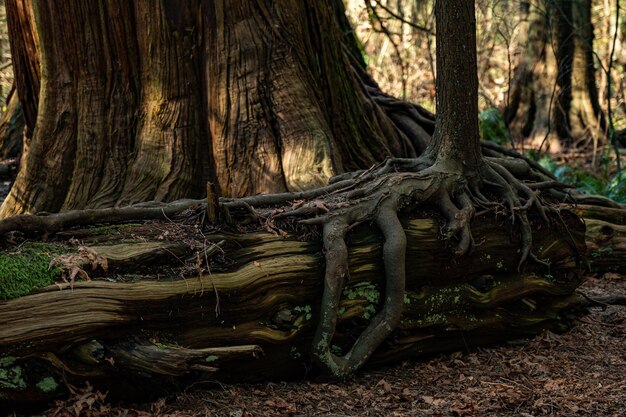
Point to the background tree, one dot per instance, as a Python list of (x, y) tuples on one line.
[(554, 97)]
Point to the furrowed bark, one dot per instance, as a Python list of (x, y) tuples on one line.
[(25, 57)]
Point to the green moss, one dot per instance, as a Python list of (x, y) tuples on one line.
[(11, 375), (27, 268), (436, 319), (607, 250), (112, 229), (48, 384), (367, 291), (306, 310), (293, 352), (211, 358), (7, 361)]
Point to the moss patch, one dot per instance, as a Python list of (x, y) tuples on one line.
[(27, 268), (369, 292), (48, 384), (11, 376)]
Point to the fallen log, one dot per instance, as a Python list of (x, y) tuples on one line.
[(606, 237), (170, 302)]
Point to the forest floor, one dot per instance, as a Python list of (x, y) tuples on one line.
[(579, 373)]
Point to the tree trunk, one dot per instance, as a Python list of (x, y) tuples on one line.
[(554, 98), (457, 87), (586, 118), (244, 306), (145, 101), (529, 112)]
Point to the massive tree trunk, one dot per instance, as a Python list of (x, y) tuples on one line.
[(554, 98), (147, 101)]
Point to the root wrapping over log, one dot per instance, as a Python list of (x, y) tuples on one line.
[(208, 302)]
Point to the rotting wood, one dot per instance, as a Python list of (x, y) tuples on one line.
[(151, 333)]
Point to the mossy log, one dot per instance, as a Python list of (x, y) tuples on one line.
[(150, 321)]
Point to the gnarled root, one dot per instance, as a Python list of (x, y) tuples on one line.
[(387, 319), (380, 200), (378, 195)]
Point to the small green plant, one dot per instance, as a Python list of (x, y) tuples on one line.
[(613, 187), (11, 375), (367, 291), (492, 126), (599, 253), (306, 310), (293, 352), (48, 384)]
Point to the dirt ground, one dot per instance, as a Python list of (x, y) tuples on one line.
[(580, 373)]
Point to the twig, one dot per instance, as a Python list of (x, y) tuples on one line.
[(402, 19)]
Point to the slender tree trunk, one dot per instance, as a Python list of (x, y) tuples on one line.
[(456, 138), (587, 120), (147, 100)]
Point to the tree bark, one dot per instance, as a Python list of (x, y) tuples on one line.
[(178, 116), (25, 58), (146, 101), (457, 87)]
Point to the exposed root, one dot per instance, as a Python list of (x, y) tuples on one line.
[(375, 195), (378, 195), (394, 251), (51, 223), (604, 301), (380, 198)]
